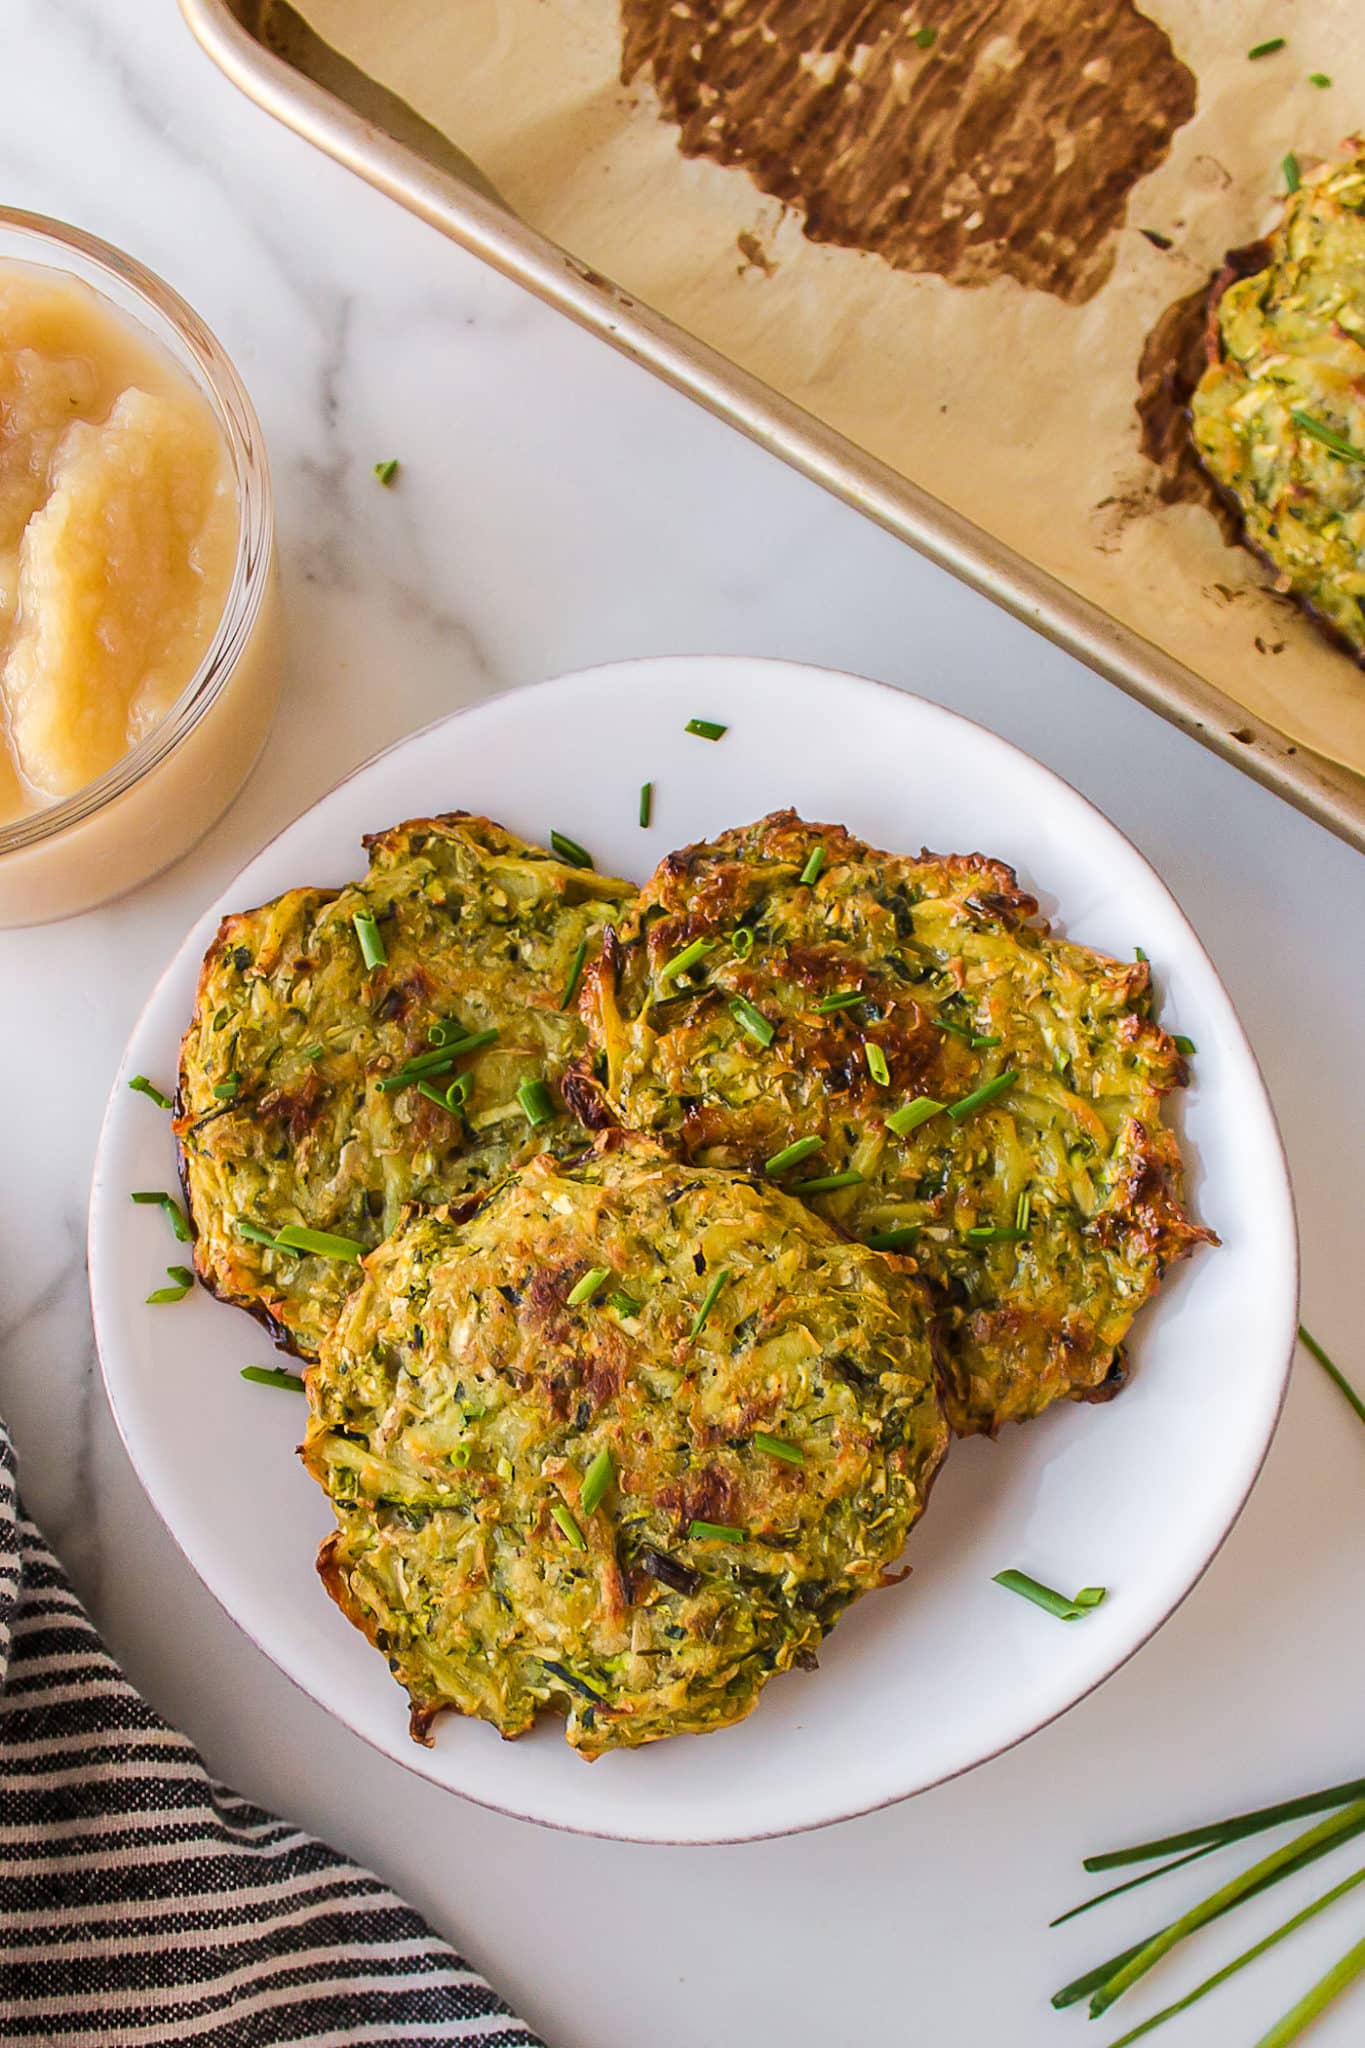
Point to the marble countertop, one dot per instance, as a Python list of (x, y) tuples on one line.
[(558, 507)]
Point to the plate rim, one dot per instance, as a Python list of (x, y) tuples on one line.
[(411, 1760)]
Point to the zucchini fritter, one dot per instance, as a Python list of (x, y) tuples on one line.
[(1278, 418), (620, 1446), (287, 1114), (745, 1009)]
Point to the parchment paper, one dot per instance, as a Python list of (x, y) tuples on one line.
[(1011, 405)]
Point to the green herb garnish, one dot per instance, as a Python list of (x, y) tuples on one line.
[(387, 471), (312, 1052), (646, 803), (323, 1244), (994, 1233), (1138, 954), (596, 1480), (1266, 49), (709, 1300), (1336, 1375), (778, 1447), (689, 957), (1328, 436), (810, 873), (183, 1279), (828, 1183), (962, 1031), (226, 1089), (715, 1532), (1052, 1603), (272, 1376), (752, 1021), (1290, 167), (706, 728), (987, 1092), (843, 1000), (569, 849), (371, 939), (979, 1044), (792, 1155), (926, 37), (560, 1514), (1319, 79), (892, 1240), (591, 1283), (1023, 1210), (742, 941), (536, 1103), (575, 974), (624, 1304), (911, 1115), (140, 1085), (438, 1061), (1184, 1045), (173, 1210), (876, 1064), (452, 1098)]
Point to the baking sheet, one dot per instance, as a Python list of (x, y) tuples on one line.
[(1009, 400)]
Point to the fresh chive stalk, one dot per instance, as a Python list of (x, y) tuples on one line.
[(979, 1043), (174, 1212), (591, 1283), (714, 1532), (752, 1022), (227, 1089), (1290, 166), (438, 1060), (567, 1525), (898, 1240), (1320, 79), (1315, 2002), (1328, 436), (742, 941), (646, 803), (842, 999), (792, 1155), (911, 1115), (1184, 1045), (1334, 1373), (387, 471), (876, 1064), (828, 1183), (182, 1280), (709, 1300), (1267, 48), (140, 1085), (690, 957), (273, 1376), (596, 1480), (324, 1244), (575, 974), (994, 1233), (1133, 1883), (372, 949), (706, 729), (778, 1447), (979, 1097), (1051, 1602), (624, 1304), (810, 873), (536, 1103), (569, 850), (452, 1099), (1217, 1834)]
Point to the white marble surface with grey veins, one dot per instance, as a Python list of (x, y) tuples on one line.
[(558, 507)]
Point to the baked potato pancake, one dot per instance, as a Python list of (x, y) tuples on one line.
[(902, 1044), (398, 1040), (619, 1446), (1278, 418)]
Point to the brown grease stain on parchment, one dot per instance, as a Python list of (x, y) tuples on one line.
[(1007, 148)]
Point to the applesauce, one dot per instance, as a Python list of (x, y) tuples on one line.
[(138, 645)]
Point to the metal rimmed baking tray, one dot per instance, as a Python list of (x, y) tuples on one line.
[(266, 48)]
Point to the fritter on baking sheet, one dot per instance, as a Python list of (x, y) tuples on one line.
[(291, 1112), (947, 1073), (620, 1446), (1278, 418)]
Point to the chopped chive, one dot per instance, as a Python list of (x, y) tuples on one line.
[(1044, 1597), (254, 1233), (911, 1115), (313, 1052), (876, 1064), (1328, 436), (742, 941), (591, 1283), (987, 1092), (1320, 79), (173, 1210), (226, 1089), (387, 471), (709, 1300), (752, 1021), (1290, 167), (560, 1514), (828, 1183), (961, 1031), (140, 1085), (183, 1279), (1023, 1210), (1219, 1833), (1333, 1372), (372, 950), (994, 1233), (979, 1044), (688, 958), (624, 1304), (272, 1376), (1116, 1891), (1138, 954), (714, 1532), (435, 1095), (1266, 49), (778, 1447), (810, 873), (438, 1061), (575, 974), (926, 37), (596, 1480), (452, 1099), (569, 849), (1184, 1045), (706, 728), (845, 999), (792, 1155), (892, 1240), (324, 1244), (646, 803), (536, 1103)]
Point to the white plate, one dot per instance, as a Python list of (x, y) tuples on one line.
[(916, 1684)]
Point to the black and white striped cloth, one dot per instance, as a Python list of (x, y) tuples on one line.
[(140, 1903)]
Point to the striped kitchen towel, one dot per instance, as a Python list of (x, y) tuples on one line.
[(142, 1903)]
